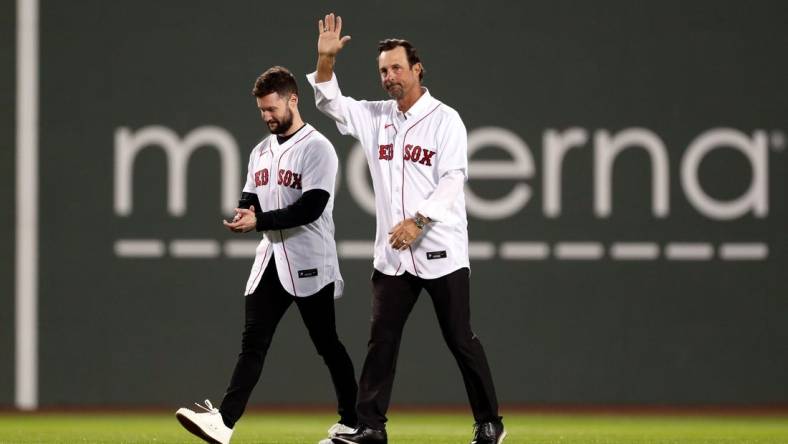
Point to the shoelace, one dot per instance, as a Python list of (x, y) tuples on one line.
[(208, 407)]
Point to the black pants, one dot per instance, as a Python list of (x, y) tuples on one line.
[(264, 309), (393, 300)]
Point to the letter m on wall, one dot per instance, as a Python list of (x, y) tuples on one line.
[(178, 151)]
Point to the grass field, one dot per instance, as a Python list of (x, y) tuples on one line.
[(404, 428)]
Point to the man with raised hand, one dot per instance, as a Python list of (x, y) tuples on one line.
[(416, 149)]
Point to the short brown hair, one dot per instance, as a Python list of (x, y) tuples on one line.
[(276, 79), (410, 51)]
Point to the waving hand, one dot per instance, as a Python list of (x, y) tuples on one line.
[(330, 41)]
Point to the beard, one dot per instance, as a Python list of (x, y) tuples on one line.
[(282, 126), (395, 90)]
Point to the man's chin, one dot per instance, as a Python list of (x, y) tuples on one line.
[(395, 94), (278, 129)]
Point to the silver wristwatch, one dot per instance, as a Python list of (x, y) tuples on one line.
[(421, 221)]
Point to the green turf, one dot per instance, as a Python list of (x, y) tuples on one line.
[(404, 428)]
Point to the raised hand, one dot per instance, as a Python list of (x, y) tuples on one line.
[(330, 41)]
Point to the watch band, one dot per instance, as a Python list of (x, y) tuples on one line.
[(420, 221)]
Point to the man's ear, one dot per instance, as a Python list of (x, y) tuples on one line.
[(294, 99)]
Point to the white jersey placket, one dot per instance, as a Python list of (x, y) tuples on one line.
[(276, 203), (399, 201), (396, 202)]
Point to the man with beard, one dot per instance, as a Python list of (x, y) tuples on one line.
[(289, 197), (416, 149)]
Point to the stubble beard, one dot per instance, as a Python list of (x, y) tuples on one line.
[(395, 91), (283, 126)]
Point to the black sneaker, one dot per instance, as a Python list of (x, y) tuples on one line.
[(362, 435), (490, 432)]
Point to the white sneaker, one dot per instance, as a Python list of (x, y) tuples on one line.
[(208, 426), (338, 428), (334, 430)]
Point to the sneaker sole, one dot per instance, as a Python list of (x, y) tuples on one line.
[(195, 429), (336, 440)]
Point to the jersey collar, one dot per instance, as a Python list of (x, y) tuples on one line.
[(306, 129), (417, 109)]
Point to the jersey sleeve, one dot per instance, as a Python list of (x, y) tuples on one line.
[(249, 186), (452, 146), (357, 118), (320, 167), (303, 211), (439, 206)]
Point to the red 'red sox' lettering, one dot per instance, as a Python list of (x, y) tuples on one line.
[(261, 177), (386, 152), (412, 153), (287, 178), (418, 154)]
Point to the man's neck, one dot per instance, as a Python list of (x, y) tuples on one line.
[(294, 127), (282, 138), (405, 103)]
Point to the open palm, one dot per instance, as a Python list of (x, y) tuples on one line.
[(330, 43)]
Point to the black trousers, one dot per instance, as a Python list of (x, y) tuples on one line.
[(264, 309), (393, 298)]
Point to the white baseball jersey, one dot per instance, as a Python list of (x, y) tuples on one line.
[(408, 154), (306, 256)]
